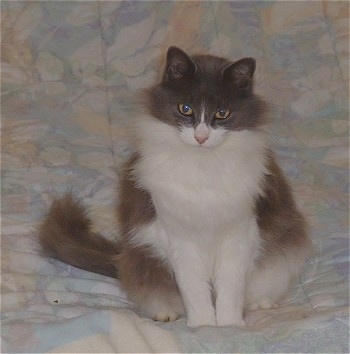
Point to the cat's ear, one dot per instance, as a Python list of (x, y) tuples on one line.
[(178, 66), (240, 75)]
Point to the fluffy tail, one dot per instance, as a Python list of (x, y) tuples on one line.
[(66, 234)]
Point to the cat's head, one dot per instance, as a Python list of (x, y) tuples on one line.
[(205, 97)]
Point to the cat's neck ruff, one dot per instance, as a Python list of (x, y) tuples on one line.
[(167, 165)]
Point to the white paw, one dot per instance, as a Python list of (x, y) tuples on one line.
[(232, 322), (167, 316), (201, 319), (164, 309), (263, 304)]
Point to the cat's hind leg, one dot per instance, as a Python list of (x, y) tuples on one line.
[(270, 279), (150, 284)]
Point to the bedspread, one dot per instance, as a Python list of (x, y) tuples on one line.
[(70, 71)]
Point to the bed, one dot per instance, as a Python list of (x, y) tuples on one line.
[(70, 73)]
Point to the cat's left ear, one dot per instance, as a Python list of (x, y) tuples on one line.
[(240, 75), (179, 65)]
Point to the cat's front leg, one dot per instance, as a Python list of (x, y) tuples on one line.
[(193, 281), (233, 264)]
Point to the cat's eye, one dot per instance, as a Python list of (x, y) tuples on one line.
[(222, 114), (185, 109)]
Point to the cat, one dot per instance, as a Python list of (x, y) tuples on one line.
[(209, 226)]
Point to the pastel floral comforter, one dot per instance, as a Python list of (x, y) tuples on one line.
[(70, 73)]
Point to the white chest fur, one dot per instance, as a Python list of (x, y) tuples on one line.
[(188, 182), (198, 191)]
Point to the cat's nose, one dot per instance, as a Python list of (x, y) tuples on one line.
[(201, 138)]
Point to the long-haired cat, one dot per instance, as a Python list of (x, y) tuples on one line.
[(209, 226)]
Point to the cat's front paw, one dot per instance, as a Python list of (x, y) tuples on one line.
[(230, 318), (203, 319), (239, 322)]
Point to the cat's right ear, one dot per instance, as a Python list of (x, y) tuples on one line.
[(179, 66)]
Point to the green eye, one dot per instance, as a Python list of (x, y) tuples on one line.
[(222, 114), (185, 109)]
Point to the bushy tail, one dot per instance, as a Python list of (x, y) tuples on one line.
[(66, 234)]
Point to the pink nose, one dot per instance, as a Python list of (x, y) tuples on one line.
[(201, 138)]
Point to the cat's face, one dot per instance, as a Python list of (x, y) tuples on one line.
[(206, 97)]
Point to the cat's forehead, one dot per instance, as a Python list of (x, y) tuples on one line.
[(208, 87), (210, 65)]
